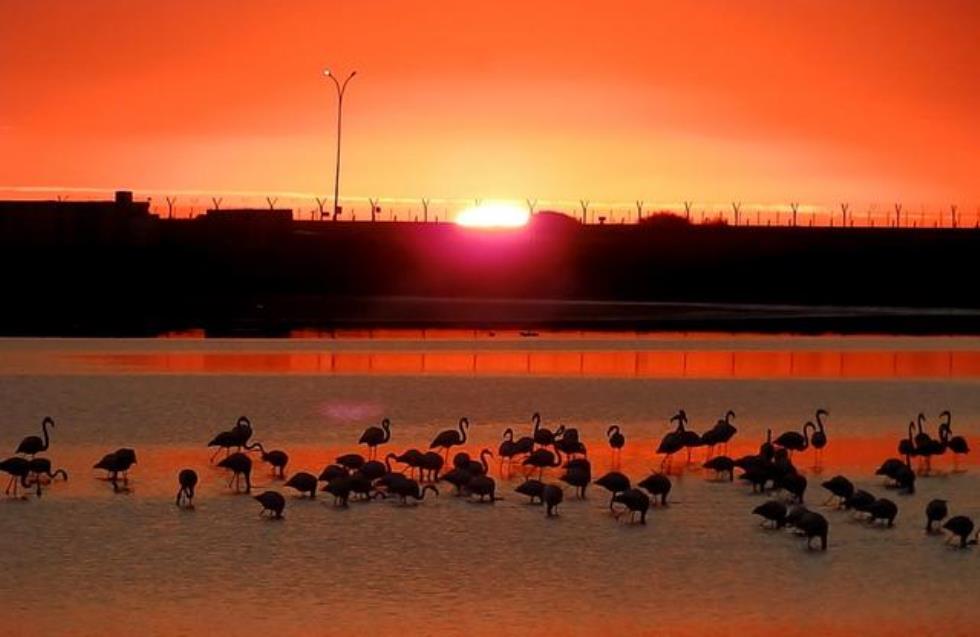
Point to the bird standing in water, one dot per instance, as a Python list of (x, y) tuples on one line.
[(187, 479)]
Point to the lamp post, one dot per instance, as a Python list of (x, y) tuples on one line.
[(341, 87)]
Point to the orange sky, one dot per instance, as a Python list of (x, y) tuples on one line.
[(613, 101)]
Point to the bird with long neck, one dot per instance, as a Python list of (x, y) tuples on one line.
[(33, 445)]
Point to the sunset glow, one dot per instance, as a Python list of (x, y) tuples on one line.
[(494, 215)]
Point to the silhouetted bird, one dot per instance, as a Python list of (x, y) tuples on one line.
[(772, 511), (906, 446), (451, 437), (236, 437), (794, 515), (936, 511), (477, 468), (720, 434), (334, 471), (672, 442), (819, 438), (578, 475), (541, 435), (861, 501), (483, 486), (277, 458), (552, 495), (375, 436), (408, 488), (187, 479), (766, 449), (956, 444), (272, 502), (883, 509), (413, 459), (459, 478), (614, 482), (961, 526), (431, 463), (794, 440), (794, 484), (372, 469), (32, 445), (721, 464), (635, 502), (18, 468), (542, 459), (532, 489), (340, 488), (119, 461), (926, 446), (657, 484), (813, 525), (41, 467), (616, 439), (240, 466), (839, 487), (350, 460), (303, 482)]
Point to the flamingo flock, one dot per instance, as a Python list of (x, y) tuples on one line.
[(409, 475)]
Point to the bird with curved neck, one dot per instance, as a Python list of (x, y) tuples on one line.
[(543, 436), (450, 438), (957, 444), (373, 437), (794, 440), (819, 439), (616, 442), (33, 445)]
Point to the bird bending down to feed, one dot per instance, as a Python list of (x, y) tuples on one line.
[(187, 481), (240, 466), (272, 503)]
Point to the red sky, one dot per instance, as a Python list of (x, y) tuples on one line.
[(818, 101)]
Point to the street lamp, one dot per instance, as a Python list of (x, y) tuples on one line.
[(341, 87)]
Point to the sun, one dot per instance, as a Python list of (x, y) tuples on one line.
[(494, 214)]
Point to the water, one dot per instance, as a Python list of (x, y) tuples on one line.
[(85, 560)]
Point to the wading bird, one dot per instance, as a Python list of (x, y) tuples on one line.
[(240, 466), (187, 481), (305, 483), (936, 511), (635, 502), (961, 526), (272, 503), (451, 437), (657, 484), (532, 489), (616, 442), (376, 436), (236, 437), (614, 482), (18, 468), (277, 458), (551, 495), (32, 445)]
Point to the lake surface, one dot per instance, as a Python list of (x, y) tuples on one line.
[(83, 560)]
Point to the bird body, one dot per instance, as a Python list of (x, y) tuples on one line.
[(272, 502), (451, 437), (277, 458), (483, 486), (32, 445), (883, 509), (635, 502), (303, 482), (721, 464), (936, 511), (187, 479), (813, 525), (657, 484), (373, 437), (772, 511), (961, 526), (238, 436), (551, 496), (18, 468), (840, 487), (615, 437), (240, 466)]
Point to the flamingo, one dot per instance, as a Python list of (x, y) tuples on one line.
[(409, 488), (334, 471), (906, 446), (813, 525), (543, 459), (187, 479), (375, 436), (721, 464), (33, 445), (119, 461), (236, 437), (673, 441), (936, 511), (272, 502), (616, 442), (340, 488), (772, 511), (18, 468), (277, 458), (956, 444), (551, 495), (883, 509), (532, 489), (240, 465), (635, 502), (657, 484), (614, 482), (819, 439), (303, 482), (483, 486), (351, 460), (961, 526), (839, 487), (793, 440), (542, 436), (578, 475), (42, 467), (451, 437), (431, 462)]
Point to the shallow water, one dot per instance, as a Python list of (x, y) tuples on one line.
[(83, 559)]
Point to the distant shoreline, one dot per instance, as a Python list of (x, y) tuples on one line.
[(279, 316)]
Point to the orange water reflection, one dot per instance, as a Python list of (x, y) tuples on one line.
[(707, 364)]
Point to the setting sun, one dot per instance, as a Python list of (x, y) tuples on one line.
[(500, 214)]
